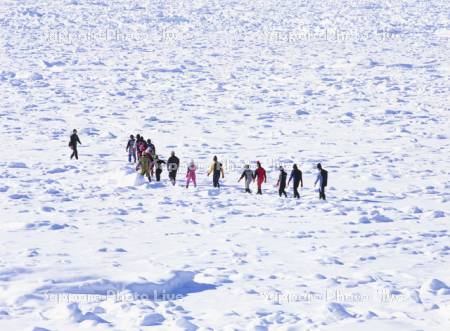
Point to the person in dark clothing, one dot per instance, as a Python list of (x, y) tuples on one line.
[(141, 145), (296, 175), (282, 182), (216, 169), (151, 146), (131, 149), (74, 140), (138, 145), (172, 167), (158, 164), (322, 178)]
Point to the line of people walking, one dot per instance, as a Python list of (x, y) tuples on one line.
[(142, 152), (296, 177)]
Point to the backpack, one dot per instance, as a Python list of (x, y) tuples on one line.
[(324, 174)]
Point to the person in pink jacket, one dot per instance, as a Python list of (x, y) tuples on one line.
[(190, 175)]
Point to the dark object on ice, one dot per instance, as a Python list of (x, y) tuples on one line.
[(172, 167), (322, 178), (131, 149), (282, 182), (158, 163), (296, 175), (151, 147), (74, 140)]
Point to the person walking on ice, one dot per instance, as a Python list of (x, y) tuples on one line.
[(131, 149), (190, 174), (216, 169), (74, 140), (172, 167), (141, 145), (248, 175), (296, 175), (158, 165), (151, 158), (322, 178), (282, 182), (144, 164), (151, 146), (260, 176)]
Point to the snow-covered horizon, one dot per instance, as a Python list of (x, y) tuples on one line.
[(360, 86)]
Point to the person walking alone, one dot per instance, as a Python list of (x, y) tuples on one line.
[(74, 140), (296, 175)]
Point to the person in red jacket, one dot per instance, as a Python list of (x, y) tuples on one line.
[(260, 176)]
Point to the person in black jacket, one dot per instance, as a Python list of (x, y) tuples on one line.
[(172, 167), (282, 182), (131, 149), (151, 146), (296, 175), (322, 178), (158, 163), (74, 140)]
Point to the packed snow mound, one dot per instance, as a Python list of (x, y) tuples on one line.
[(181, 284), (433, 286)]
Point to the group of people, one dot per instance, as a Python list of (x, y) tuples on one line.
[(148, 162), (296, 177), (142, 152)]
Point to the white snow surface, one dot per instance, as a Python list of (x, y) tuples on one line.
[(361, 86)]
